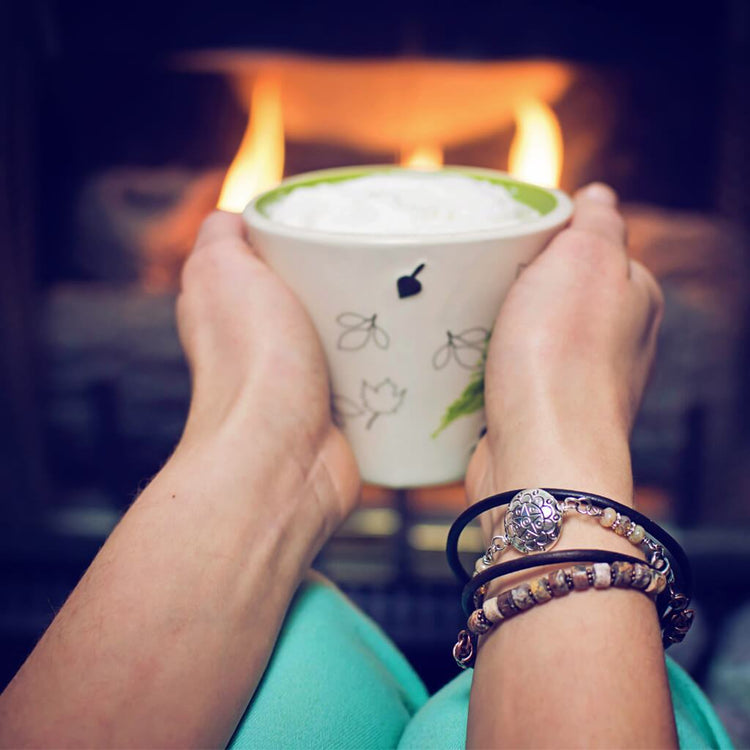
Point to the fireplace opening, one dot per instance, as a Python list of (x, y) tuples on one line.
[(129, 132)]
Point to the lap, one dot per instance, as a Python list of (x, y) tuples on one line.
[(335, 680)]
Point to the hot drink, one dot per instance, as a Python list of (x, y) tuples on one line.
[(403, 274)]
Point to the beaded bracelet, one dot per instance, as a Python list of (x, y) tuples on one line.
[(525, 596), (473, 592), (672, 603)]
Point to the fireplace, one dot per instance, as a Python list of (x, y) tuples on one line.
[(126, 121)]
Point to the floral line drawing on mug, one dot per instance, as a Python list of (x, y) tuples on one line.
[(383, 398), (359, 331), (471, 399), (376, 400), (343, 408), (465, 348)]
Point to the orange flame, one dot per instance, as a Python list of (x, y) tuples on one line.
[(422, 157), (536, 152), (259, 163)]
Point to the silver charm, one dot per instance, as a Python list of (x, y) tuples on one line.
[(533, 521)]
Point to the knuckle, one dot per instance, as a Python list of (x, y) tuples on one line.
[(220, 224), (199, 270), (612, 219), (211, 261), (215, 217), (650, 288), (648, 282), (591, 248), (193, 270)]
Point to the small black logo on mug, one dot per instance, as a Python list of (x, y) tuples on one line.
[(410, 285)]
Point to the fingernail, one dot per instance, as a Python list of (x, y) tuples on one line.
[(598, 191)]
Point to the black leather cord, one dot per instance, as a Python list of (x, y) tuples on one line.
[(678, 560), (538, 560)]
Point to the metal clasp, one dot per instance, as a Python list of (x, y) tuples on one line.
[(497, 544), (463, 650)]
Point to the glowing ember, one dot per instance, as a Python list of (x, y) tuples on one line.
[(259, 163), (537, 149), (422, 157)]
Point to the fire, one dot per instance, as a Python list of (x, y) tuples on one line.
[(398, 106), (259, 163), (422, 157), (537, 149)]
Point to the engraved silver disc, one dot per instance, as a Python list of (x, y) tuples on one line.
[(533, 521)]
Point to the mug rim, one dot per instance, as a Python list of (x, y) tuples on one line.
[(255, 218)]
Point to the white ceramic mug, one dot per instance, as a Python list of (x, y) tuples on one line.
[(404, 322)]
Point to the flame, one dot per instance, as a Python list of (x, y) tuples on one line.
[(422, 157), (537, 149), (259, 163)]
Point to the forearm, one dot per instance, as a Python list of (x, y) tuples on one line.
[(588, 669), (165, 638)]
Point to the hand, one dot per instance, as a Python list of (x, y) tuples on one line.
[(568, 361), (260, 384)]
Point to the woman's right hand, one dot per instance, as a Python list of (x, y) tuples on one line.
[(568, 361)]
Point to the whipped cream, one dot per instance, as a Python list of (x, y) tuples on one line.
[(404, 203)]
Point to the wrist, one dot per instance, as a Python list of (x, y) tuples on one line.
[(256, 484), (585, 459)]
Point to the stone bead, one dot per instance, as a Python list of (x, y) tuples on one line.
[(580, 577), (638, 534), (641, 576), (557, 583), (478, 623), (608, 517), (602, 576), (492, 611), (623, 573), (505, 605), (623, 525), (539, 590), (657, 585), (522, 596)]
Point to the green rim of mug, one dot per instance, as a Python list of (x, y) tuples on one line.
[(533, 196)]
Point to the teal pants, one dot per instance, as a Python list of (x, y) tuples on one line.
[(336, 681)]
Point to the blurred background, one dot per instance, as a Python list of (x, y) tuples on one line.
[(122, 126)]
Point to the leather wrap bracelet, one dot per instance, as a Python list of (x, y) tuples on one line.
[(678, 558), (665, 554)]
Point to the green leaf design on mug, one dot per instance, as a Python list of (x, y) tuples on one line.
[(472, 398)]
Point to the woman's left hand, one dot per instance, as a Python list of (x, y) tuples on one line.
[(165, 639), (258, 369)]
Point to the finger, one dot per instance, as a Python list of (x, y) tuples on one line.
[(644, 280), (220, 226), (596, 212), (220, 244)]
